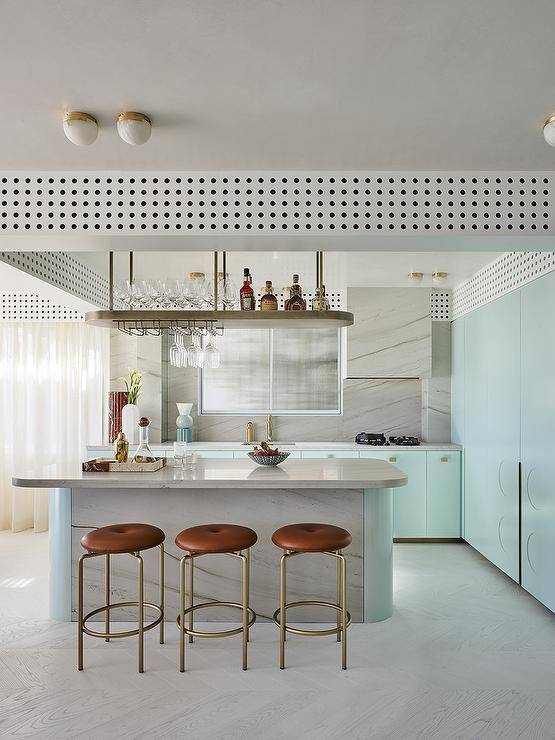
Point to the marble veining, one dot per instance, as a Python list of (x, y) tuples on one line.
[(310, 576), (392, 333)]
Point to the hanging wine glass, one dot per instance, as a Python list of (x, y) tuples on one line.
[(195, 353), (211, 353), (175, 351)]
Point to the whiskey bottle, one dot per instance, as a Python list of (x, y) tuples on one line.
[(246, 294), (268, 302), (295, 302), (320, 302)]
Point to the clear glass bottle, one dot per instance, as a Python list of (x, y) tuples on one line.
[(269, 301), (295, 302), (320, 302), (143, 453)]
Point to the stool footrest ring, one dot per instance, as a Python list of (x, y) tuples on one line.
[(224, 633), (122, 605), (320, 633)]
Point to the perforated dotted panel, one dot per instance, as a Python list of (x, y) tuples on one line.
[(31, 307), (440, 305), (508, 272), (280, 202), (63, 271)]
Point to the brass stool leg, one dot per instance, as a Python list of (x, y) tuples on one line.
[(182, 613), (140, 611), (107, 595), (162, 591), (191, 593), (343, 562), (338, 598), (248, 583), (80, 615), (245, 584), (282, 600)]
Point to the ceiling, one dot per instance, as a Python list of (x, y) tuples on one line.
[(341, 270), (281, 84)]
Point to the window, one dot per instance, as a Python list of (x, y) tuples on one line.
[(279, 371)]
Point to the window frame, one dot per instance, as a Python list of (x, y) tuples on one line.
[(277, 411)]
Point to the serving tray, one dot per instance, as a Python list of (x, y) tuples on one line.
[(109, 465)]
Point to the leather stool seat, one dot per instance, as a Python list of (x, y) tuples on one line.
[(122, 538), (311, 537), (214, 538)]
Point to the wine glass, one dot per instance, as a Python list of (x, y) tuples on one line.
[(227, 291), (195, 353), (211, 354)]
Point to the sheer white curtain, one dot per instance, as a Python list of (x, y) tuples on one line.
[(53, 384)]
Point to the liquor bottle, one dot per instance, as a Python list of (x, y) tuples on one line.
[(268, 302), (121, 448), (246, 294), (144, 453), (320, 302), (295, 302)]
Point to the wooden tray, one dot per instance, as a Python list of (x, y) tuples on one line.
[(109, 465)]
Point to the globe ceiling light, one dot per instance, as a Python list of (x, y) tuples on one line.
[(134, 128), (415, 277), (80, 128), (549, 129), (439, 278)]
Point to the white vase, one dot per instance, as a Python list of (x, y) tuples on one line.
[(184, 422), (130, 422)]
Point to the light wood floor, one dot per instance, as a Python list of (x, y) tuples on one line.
[(467, 655)]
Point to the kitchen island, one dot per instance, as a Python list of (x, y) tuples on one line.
[(351, 493)]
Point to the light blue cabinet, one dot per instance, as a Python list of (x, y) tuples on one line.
[(308, 454), (224, 454), (409, 502), (492, 431), (538, 439), (443, 494)]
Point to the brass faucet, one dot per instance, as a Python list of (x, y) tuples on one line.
[(269, 428), (250, 433)]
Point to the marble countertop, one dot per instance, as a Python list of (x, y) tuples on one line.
[(216, 473), (329, 446)]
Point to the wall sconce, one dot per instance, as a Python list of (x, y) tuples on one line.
[(415, 277), (439, 278)]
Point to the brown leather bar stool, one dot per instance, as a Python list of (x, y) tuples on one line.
[(295, 539), (121, 539), (211, 539)]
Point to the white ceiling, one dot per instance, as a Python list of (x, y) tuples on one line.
[(281, 84), (341, 270)]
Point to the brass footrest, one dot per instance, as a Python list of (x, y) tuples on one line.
[(122, 605), (224, 633), (321, 633)]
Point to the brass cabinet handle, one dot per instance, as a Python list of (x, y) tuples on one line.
[(444, 459), (392, 459)]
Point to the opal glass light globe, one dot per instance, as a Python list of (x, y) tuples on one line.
[(134, 128), (80, 128), (549, 130)]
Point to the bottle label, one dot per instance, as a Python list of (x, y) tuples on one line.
[(247, 302)]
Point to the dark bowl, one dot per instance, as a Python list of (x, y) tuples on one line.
[(268, 459)]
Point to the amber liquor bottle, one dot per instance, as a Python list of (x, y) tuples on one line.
[(295, 302), (246, 294), (268, 302)]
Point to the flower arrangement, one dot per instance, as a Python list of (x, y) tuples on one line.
[(133, 385)]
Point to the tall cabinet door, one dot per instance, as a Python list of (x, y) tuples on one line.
[(492, 431), (538, 439)]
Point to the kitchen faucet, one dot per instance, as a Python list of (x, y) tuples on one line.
[(269, 428)]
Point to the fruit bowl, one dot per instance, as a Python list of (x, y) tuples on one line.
[(269, 459), (265, 455)]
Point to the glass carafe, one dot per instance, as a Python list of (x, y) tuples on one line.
[(143, 453)]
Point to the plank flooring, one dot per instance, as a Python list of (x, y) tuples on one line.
[(468, 654)]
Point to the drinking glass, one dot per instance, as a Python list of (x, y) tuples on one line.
[(180, 453), (227, 292), (211, 354), (195, 353)]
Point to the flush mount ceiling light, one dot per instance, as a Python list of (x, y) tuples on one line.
[(439, 278), (549, 130), (134, 128), (80, 128), (415, 277)]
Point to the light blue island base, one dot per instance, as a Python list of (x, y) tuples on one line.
[(372, 543)]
